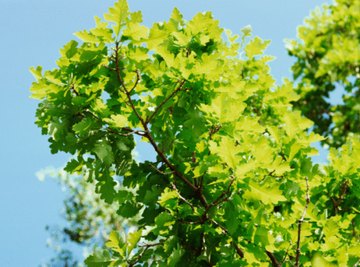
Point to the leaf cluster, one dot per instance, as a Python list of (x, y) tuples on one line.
[(328, 60)]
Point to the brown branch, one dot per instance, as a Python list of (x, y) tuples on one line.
[(353, 228), (213, 130), (239, 251), (274, 261), (127, 129), (72, 89), (173, 168), (136, 81), (151, 245), (343, 190), (159, 171), (164, 101), (223, 196), (148, 135), (337, 201), (300, 221), (182, 198), (146, 247), (121, 81)]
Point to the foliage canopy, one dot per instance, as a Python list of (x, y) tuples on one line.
[(233, 183), (328, 59)]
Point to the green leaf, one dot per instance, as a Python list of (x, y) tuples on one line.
[(69, 50), (166, 196), (36, 72), (129, 209), (115, 243), (227, 151), (104, 152), (256, 47), (73, 166), (101, 31), (132, 240), (175, 257), (261, 236), (267, 195), (318, 261), (247, 30), (118, 121), (163, 223), (136, 31), (105, 187), (99, 259), (87, 37), (84, 126), (157, 36), (118, 15)]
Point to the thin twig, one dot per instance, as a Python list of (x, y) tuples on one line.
[(274, 261), (182, 198), (286, 253), (159, 171), (300, 221), (136, 81), (213, 130), (151, 245), (223, 196), (164, 101), (239, 251), (146, 247)]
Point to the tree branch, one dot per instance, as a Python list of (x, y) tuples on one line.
[(121, 81), (182, 198), (301, 220), (239, 251), (148, 135), (164, 101), (223, 196), (146, 247), (274, 261), (136, 81)]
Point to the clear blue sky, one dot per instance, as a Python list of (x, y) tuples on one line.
[(31, 33)]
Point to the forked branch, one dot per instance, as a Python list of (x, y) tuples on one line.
[(147, 134), (157, 109)]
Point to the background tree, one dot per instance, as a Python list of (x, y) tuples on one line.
[(89, 219), (328, 59), (233, 183)]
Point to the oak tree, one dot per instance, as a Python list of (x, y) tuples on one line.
[(233, 182)]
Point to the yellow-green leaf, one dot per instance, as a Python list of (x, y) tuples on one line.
[(256, 47), (118, 14), (267, 195)]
